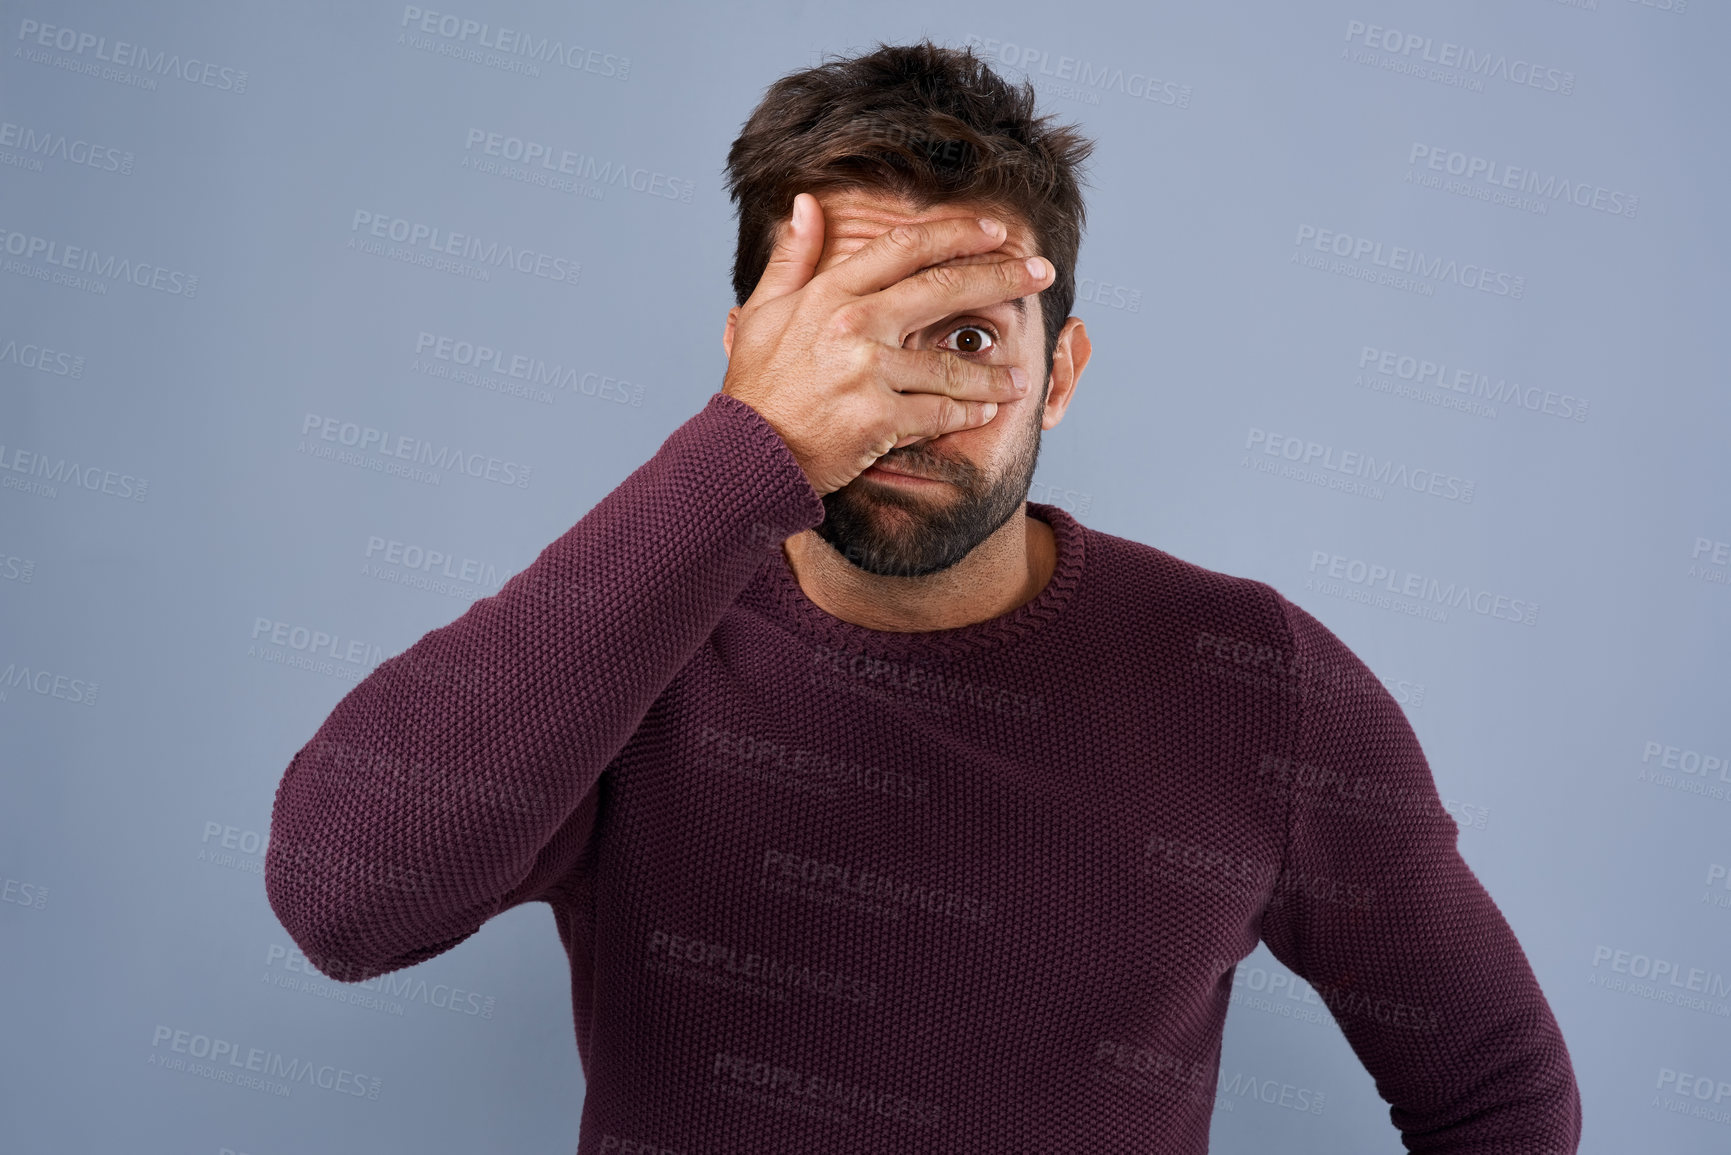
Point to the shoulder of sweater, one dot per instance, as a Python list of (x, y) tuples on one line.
[(1182, 594)]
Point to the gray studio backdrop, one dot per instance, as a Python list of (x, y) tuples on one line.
[(318, 321)]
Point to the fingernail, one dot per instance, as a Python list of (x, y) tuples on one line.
[(1036, 266), (1019, 378), (990, 226)]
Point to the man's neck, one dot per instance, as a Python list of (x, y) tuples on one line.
[(1007, 570)]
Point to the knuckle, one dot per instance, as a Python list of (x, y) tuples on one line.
[(956, 373), (926, 373), (846, 321), (902, 237), (946, 279), (870, 357), (845, 367)]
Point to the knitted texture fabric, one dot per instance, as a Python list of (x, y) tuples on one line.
[(825, 888)]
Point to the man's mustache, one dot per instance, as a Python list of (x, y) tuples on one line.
[(910, 459)]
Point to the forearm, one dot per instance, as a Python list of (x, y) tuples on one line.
[(430, 792), (1377, 910), (1436, 997)]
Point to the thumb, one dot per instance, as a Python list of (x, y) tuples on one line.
[(793, 260)]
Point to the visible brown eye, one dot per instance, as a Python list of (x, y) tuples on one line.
[(973, 344)]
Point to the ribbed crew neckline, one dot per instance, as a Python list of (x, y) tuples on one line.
[(800, 613)]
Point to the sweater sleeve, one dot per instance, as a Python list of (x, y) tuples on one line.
[(1376, 909), (458, 779)]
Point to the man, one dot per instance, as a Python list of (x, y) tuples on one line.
[(878, 808)]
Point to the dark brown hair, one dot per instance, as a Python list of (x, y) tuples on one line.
[(929, 123)]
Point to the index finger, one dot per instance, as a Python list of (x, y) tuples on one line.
[(904, 250)]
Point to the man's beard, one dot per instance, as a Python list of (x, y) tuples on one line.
[(893, 531)]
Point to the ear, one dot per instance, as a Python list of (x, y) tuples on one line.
[(1069, 358), (727, 334)]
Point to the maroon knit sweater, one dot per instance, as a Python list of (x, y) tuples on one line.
[(832, 889)]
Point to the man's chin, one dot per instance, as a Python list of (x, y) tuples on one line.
[(878, 535), (880, 526)]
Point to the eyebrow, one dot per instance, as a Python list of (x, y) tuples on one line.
[(1020, 304)]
